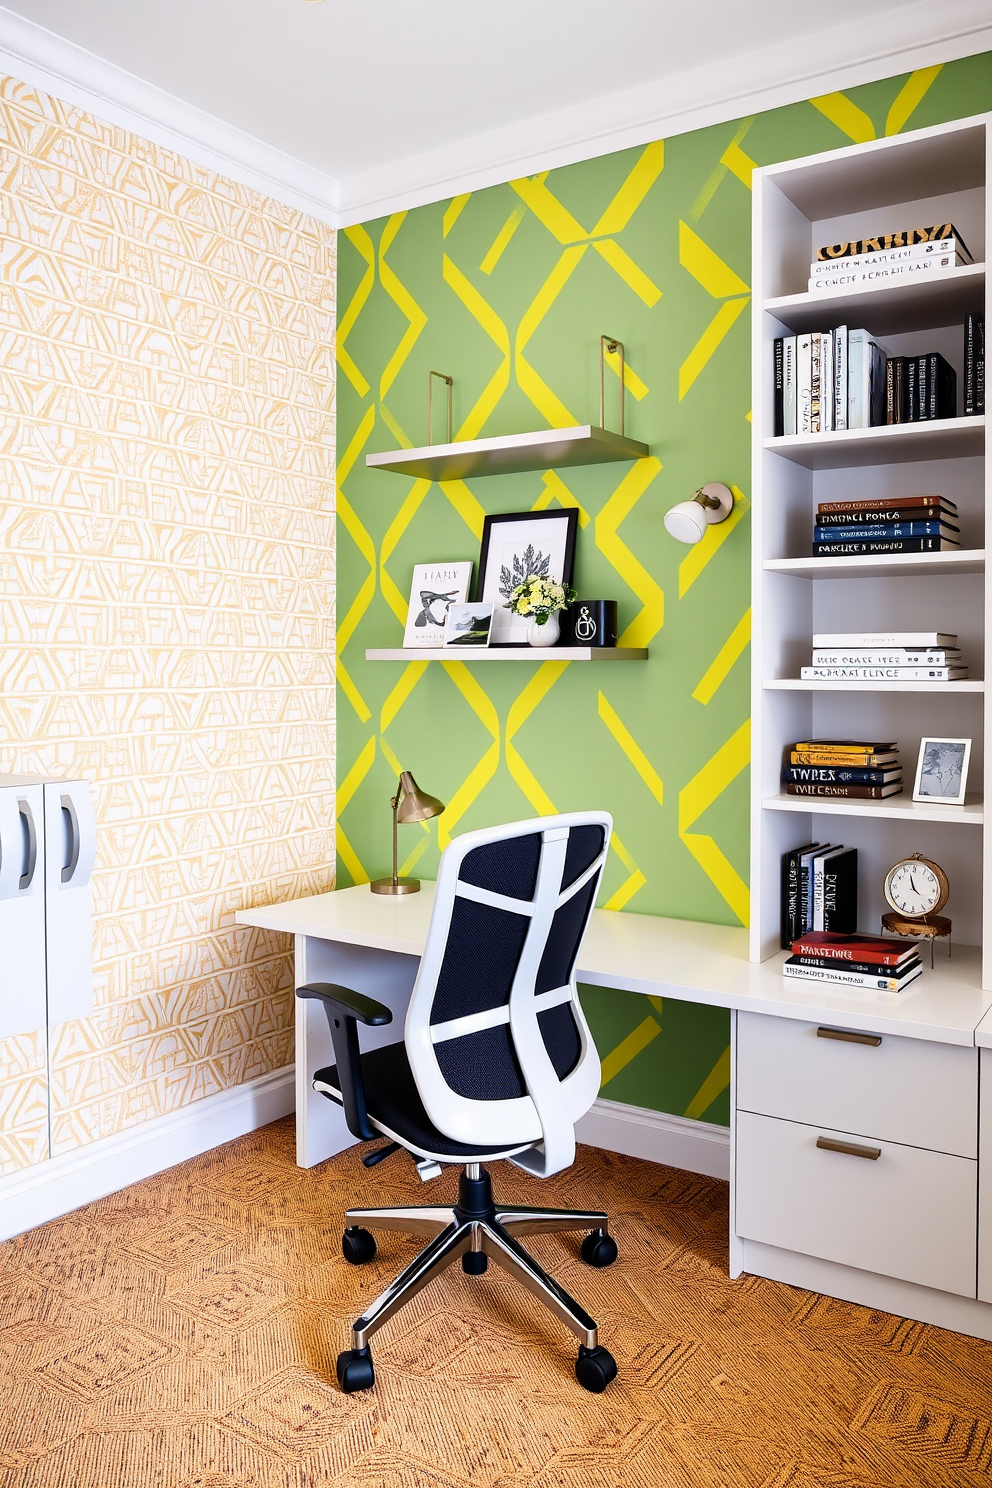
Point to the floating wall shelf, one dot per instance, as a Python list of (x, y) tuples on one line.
[(513, 653), (546, 449)]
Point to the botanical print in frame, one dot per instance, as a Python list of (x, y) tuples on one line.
[(514, 546)]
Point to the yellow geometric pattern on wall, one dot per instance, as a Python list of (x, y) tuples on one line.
[(508, 291), (166, 575)]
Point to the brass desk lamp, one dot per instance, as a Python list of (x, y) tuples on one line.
[(410, 804)]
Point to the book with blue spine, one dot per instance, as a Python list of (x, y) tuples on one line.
[(865, 532)]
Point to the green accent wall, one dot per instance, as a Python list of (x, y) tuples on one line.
[(508, 290)]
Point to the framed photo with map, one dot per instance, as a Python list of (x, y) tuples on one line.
[(516, 545)]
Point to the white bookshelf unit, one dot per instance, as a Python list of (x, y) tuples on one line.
[(933, 175)]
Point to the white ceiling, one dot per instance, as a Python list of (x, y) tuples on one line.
[(362, 104)]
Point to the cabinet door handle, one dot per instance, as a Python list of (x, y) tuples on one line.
[(844, 1037), (850, 1149), (27, 815), (69, 811)]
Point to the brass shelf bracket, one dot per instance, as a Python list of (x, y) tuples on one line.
[(448, 382), (609, 345)]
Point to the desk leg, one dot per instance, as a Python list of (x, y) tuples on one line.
[(320, 1125), (736, 1245)]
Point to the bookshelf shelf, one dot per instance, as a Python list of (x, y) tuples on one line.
[(895, 808), (796, 684), (854, 192), (936, 439), (881, 566), (884, 309), (507, 454)]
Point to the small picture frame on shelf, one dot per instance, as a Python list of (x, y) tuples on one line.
[(942, 771), (468, 625), (433, 588), (515, 546)]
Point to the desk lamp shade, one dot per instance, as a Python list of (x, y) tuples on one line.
[(410, 804)]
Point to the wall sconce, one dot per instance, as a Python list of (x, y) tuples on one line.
[(410, 804), (689, 520)]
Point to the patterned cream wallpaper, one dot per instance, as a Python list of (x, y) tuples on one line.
[(166, 596)]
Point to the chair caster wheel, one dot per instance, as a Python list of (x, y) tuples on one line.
[(599, 1249), (594, 1368), (357, 1247), (355, 1370)]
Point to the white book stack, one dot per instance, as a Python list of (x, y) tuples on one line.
[(900, 656)]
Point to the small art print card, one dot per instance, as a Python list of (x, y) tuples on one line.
[(435, 586)]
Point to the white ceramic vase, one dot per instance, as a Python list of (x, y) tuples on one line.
[(543, 635)]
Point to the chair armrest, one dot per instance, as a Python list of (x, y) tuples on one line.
[(352, 1004), (346, 1008)]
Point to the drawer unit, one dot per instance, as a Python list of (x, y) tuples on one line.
[(912, 1091), (900, 1211)]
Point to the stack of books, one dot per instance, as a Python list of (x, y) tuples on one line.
[(844, 769), (896, 656), (918, 388), (819, 890), (854, 961), (892, 258), (974, 364), (904, 524)]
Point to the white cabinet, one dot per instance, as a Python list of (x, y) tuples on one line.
[(70, 849), (23, 980)]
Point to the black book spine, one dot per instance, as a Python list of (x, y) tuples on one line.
[(890, 391), (786, 936), (805, 903), (779, 387), (899, 377), (865, 968), (880, 545), (911, 414), (921, 388), (840, 893), (979, 363), (942, 387), (969, 365)]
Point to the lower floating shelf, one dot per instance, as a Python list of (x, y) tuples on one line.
[(512, 653), (897, 808)]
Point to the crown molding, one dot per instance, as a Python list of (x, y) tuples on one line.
[(37, 56), (845, 57)]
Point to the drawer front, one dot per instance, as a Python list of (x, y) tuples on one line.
[(908, 1213), (901, 1089)]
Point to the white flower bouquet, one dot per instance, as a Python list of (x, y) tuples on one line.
[(539, 598)]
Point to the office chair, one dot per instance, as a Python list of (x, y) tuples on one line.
[(497, 1061)]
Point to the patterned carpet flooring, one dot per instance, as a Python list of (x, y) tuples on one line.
[(182, 1334)]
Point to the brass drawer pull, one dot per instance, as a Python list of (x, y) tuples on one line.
[(843, 1037), (851, 1149)]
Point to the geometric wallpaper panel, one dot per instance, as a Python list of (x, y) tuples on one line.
[(166, 596), (508, 290)]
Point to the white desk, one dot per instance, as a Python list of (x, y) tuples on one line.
[(811, 1217)]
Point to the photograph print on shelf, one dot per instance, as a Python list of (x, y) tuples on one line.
[(468, 625), (434, 587), (942, 771), (517, 546)]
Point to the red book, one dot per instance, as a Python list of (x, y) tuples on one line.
[(868, 948)]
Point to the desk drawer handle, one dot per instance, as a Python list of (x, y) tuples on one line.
[(843, 1037), (850, 1149)]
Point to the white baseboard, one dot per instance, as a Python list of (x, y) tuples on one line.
[(56, 1187), (697, 1146)]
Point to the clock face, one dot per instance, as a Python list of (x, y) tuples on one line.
[(912, 888)]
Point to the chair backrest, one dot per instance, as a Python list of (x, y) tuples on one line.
[(495, 1034)]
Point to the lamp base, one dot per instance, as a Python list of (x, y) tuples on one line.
[(401, 886)]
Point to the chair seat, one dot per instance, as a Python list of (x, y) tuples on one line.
[(394, 1106)]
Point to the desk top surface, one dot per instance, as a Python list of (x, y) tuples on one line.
[(684, 959)]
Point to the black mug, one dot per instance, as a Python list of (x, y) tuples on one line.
[(594, 622)]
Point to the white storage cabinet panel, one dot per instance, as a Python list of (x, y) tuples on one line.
[(70, 850), (904, 1212), (912, 1091), (985, 1181), (22, 907)]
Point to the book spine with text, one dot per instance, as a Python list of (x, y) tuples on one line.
[(910, 253), (877, 514), (789, 385), (815, 382), (865, 657), (839, 775), (871, 503), (800, 972), (882, 673), (778, 425), (884, 545), (840, 377), (803, 389), (869, 533), (845, 792)]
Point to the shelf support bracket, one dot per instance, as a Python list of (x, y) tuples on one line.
[(430, 404), (610, 345)]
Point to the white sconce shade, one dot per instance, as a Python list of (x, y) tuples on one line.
[(687, 522)]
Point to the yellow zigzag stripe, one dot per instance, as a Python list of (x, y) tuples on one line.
[(631, 381), (700, 793), (536, 389), (629, 1049), (395, 428), (647, 168), (730, 652), (632, 276), (909, 97), (501, 240), (466, 505), (717, 278), (410, 676), (346, 790), (700, 553), (361, 240), (477, 780), (403, 299), (850, 119), (390, 758), (708, 343), (715, 1084), (633, 884), (366, 547), (396, 601), (649, 620), (496, 331), (454, 211), (733, 159), (555, 489), (632, 750), (521, 708)]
